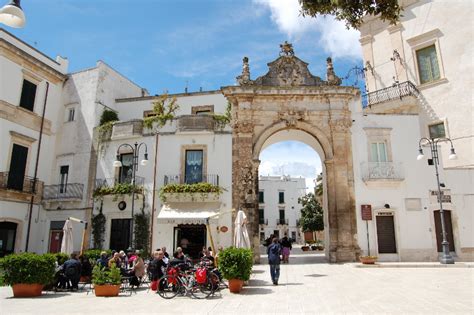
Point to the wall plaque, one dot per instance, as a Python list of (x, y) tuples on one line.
[(224, 229), (366, 211)]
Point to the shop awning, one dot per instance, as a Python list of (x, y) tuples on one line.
[(188, 213)]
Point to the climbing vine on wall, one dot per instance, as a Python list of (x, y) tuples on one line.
[(98, 229)]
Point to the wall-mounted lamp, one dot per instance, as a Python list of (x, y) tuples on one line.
[(386, 206), (12, 14)]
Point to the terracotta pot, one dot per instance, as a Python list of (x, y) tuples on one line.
[(107, 290), (85, 279), (305, 248), (235, 285), (367, 260), (27, 289)]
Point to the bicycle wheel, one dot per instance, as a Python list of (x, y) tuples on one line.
[(168, 287), (200, 290)]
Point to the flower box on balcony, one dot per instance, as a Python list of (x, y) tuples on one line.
[(197, 192), (191, 197)]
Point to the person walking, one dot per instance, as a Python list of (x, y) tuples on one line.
[(274, 251), (286, 248)]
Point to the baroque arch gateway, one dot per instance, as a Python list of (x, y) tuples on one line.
[(289, 97)]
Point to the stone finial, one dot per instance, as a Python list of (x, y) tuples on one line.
[(331, 76), (244, 78), (286, 49)]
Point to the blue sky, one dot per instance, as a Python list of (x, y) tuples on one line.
[(168, 45)]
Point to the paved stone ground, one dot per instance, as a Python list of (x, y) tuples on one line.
[(308, 285)]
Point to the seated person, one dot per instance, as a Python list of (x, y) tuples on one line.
[(115, 260), (103, 261), (72, 272), (86, 268)]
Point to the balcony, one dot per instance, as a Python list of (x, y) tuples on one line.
[(63, 192), (110, 182), (282, 221), (382, 172), (196, 123), (127, 129), (395, 92), (212, 179), (19, 188)]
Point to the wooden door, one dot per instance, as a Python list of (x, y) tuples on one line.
[(16, 174), (120, 234), (449, 230), (55, 240), (7, 238), (386, 234)]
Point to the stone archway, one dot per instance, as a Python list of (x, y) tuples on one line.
[(290, 97)]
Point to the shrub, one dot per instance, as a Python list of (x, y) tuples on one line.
[(108, 116), (28, 268), (94, 254), (61, 257), (103, 276), (236, 263)]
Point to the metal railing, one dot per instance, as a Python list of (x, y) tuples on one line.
[(282, 221), (110, 182), (397, 91), (382, 170), (179, 179), (66, 191), (18, 182)]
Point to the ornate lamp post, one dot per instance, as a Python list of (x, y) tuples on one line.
[(117, 163), (12, 14), (446, 257)]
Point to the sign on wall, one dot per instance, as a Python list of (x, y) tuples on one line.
[(366, 211)]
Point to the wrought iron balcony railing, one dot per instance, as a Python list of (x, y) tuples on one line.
[(282, 221), (397, 91), (204, 178), (66, 191), (382, 170), (110, 182), (19, 183)]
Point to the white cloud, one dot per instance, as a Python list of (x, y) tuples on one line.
[(333, 37)]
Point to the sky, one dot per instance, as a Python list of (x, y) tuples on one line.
[(169, 45)]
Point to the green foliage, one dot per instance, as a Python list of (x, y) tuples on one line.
[(94, 254), (319, 186), (108, 116), (28, 268), (236, 263), (61, 257), (117, 189), (141, 230), (353, 12), (222, 120), (103, 276), (189, 188), (163, 111), (98, 229), (311, 214)]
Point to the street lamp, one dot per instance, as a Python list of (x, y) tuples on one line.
[(12, 14), (135, 150), (446, 258)]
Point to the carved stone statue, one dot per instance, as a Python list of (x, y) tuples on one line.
[(286, 49), (331, 76), (244, 78)]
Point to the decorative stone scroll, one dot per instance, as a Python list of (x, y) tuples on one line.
[(331, 77), (291, 117)]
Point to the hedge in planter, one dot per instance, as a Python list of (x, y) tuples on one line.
[(106, 282), (28, 268)]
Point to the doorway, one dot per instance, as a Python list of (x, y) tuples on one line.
[(7, 238), (16, 173), (386, 234), (449, 230), (191, 238), (120, 234)]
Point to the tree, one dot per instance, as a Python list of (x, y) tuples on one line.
[(164, 110), (353, 11), (319, 185), (311, 214)]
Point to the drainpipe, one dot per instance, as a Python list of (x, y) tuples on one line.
[(30, 208), (154, 192)]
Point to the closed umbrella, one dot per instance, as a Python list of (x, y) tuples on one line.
[(241, 235), (67, 246)]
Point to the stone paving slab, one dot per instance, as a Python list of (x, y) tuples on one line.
[(306, 286)]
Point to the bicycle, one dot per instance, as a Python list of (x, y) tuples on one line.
[(178, 281)]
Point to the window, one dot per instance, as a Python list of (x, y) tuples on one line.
[(437, 130), (261, 216), (281, 217), (16, 173), (28, 94), (126, 170), (71, 113), (193, 166), (203, 112), (428, 67), (281, 197), (260, 197), (378, 152), (63, 172)]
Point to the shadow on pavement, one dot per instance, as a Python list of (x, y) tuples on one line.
[(315, 275), (258, 271), (259, 283), (255, 291), (43, 296)]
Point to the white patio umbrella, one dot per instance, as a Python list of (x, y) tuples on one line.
[(67, 245), (241, 235)]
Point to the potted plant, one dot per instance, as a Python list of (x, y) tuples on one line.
[(27, 273), (236, 266), (368, 260), (106, 281)]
